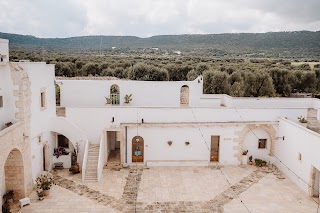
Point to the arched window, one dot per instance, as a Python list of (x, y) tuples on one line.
[(115, 94), (184, 95)]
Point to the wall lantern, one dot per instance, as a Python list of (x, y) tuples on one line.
[(277, 138), (169, 143), (112, 120), (187, 143)]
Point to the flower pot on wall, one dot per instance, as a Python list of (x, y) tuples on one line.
[(244, 159), (46, 192)]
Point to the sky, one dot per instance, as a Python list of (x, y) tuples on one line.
[(145, 18)]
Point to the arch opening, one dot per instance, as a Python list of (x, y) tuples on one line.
[(184, 95), (14, 174)]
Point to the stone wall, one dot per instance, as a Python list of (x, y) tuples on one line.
[(15, 152)]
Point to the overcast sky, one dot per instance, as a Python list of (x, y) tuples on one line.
[(144, 18)]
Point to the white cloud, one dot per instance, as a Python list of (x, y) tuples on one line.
[(64, 18)]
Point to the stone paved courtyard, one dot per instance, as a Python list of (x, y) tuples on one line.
[(175, 189)]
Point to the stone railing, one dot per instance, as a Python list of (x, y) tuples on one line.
[(101, 158), (10, 130), (84, 161), (87, 78)]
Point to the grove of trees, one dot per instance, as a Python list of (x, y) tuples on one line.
[(236, 77)]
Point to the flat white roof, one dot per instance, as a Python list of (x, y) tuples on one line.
[(4, 40)]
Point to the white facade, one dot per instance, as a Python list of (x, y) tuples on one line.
[(177, 128)]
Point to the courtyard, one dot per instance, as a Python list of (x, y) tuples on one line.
[(176, 189)]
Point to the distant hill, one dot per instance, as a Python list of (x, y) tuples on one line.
[(272, 44)]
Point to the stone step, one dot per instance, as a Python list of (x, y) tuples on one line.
[(91, 173), (91, 177)]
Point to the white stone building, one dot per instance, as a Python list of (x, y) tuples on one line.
[(165, 124)]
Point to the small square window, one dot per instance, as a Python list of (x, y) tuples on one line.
[(1, 101), (43, 100), (262, 144)]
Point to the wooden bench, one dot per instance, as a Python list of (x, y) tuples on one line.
[(58, 165)]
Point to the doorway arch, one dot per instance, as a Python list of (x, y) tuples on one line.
[(14, 174), (137, 149), (184, 95)]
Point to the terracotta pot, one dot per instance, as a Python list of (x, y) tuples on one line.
[(76, 168), (46, 192)]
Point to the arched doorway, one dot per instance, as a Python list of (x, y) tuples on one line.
[(137, 149), (184, 95), (115, 94), (14, 174)]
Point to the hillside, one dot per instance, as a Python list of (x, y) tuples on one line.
[(273, 44)]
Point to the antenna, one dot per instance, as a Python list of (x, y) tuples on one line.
[(100, 45), (43, 50)]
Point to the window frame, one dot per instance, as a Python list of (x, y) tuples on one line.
[(1, 101), (262, 141)]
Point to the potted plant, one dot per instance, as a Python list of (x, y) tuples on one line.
[(6, 208), (260, 162), (127, 99), (8, 197), (303, 121), (40, 194), (108, 100), (75, 167), (59, 151), (250, 160), (45, 182), (244, 157)]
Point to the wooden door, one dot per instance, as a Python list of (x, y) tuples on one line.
[(137, 149), (214, 154)]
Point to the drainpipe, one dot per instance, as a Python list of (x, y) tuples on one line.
[(126, 133)]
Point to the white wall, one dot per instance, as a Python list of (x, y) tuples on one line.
[(4, 49), (41, 75), (156, 147), (144, 93), (37, 153), (251, 144), (7, 112), (93, 121), (297, 140)]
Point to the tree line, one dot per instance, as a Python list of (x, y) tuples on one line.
[(236, 77)]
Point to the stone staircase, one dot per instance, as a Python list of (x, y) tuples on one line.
[(92, 163), (313, 123)]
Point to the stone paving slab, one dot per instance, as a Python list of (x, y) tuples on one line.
[(63, 200), (177, 189)]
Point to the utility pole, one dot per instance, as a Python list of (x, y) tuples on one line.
[(100, 46)]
